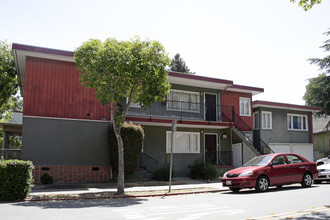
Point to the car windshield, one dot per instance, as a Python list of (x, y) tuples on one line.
[(259, 161)]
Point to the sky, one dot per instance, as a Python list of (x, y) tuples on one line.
[(258, 43)]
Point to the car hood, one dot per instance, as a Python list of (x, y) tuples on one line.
[(322, 160), (324, 166), (244, 169)]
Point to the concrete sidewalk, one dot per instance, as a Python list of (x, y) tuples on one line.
[(137, 186)]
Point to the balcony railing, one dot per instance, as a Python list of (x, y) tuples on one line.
[(184, 111), (9, 154)]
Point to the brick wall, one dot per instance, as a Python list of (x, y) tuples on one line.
[(74, 174)]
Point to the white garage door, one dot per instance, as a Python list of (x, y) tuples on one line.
[(303, 149), (280, 148)]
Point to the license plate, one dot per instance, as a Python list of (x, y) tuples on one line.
[(228, 182)]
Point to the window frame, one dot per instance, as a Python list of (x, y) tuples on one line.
[(270, 118), (291, 159), (290, 122), (197, 94), (256, 126), (244, 101), (179, 151)]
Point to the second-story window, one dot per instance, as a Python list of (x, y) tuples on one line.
[(244, 106), (297, 122), (266, 120), (183, 101), (256, 120)]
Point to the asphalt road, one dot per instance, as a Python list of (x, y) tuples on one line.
[(291, 202)]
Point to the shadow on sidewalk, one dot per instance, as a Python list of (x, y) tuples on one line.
[(76, 204)]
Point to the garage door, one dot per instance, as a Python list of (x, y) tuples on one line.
[(281, 148), (303, 149)]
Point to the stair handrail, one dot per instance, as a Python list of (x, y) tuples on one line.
[(148, 163), (236, 119)]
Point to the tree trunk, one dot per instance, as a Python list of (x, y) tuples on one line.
[(120, 174)]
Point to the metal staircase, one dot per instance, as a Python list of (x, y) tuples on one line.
[(148, 163), (256, 144)]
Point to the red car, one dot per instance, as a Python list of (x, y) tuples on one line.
[(271, 170)]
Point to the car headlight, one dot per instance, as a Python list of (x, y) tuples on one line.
[(225, 175), (247, 173)]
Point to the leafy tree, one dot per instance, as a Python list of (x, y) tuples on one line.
[(324, 63), (8, 79), (318, 93), (133, 69), (318, 89), (179, 65), (307, 4)]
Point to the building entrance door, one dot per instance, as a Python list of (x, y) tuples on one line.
[(211, 148)]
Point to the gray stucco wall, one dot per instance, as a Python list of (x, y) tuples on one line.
[(279, 132), (65, 142), (155, 146)]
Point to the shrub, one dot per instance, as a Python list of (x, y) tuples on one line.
[(163, 173), (210, 172), (199, 170), (15, 179), (132, 136), (46, 179)]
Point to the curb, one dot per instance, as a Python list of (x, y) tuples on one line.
[(125, 196)]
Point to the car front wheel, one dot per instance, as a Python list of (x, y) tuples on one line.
[(307, 180), (262, 184)]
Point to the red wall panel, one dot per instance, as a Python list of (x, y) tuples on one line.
[(232, 99), (52, 89)]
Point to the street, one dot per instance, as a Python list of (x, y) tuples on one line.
[(291, 202)]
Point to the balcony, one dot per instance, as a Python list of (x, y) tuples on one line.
[(10, 154), (184, 111)]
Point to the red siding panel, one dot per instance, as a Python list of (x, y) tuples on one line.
[(232, 99), (52, 89)]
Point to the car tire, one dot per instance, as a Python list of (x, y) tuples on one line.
[(307, 180), (235, 189), (262, 184)]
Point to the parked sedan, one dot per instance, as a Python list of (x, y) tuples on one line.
[(322, 160), (324, 172), (271, 170)]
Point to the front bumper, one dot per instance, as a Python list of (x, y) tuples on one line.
[(323, 175), (239, 182)]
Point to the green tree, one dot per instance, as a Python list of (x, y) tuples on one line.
[(318, 93), (133, 69), (323, 63), (307, 4), (318, 89), (179, 65), (8, 79)]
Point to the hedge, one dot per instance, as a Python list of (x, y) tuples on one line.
[(132, 136), (16, 179)]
